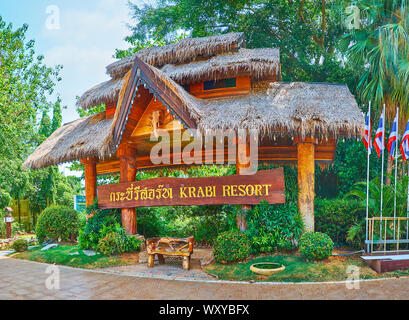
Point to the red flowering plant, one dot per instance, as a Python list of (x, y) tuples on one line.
[(316, 246), (231, 246)]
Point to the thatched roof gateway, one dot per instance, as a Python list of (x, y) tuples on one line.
[(273, 108)]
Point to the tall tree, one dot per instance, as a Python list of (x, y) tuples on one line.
[(306, 31)]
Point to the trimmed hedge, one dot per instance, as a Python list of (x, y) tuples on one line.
[(335, 217), (231, 246), (316, 246), (20, 245), (58, 223)]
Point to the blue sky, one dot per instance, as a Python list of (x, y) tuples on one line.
[(89, 32)]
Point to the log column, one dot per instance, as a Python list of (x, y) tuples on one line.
[(126, 155), (306, 180), (90, 172), (242, 167)]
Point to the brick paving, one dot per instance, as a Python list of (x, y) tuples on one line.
[(20, 279)]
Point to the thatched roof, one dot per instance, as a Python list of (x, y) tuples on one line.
[(82, 138), (105, 92), (184, 51), (273, 108), (292, 109), (258, 63)]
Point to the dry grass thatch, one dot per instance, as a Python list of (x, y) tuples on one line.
[(83, 138), (272, 108), (258, 63), (292, 109), (105, 92), (184, 51)]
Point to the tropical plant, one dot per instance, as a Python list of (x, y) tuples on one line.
[(357, 231), (273, 227)]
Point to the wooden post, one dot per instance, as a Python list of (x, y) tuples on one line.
[(90, 172), (306, 180), (126, 155), (242, 164)]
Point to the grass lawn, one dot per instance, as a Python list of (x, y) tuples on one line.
[(297, 270), (60, 255)]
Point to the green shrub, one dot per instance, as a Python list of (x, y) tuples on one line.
[(58, 223), (316, 246), (110, 244), (335, 217), (273, 227), (90, 233), (231, 246), (20, 245)]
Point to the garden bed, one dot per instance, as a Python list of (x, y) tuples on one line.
[(61, 256), (298, 270)]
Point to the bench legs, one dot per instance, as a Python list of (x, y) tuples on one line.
[(151, 260), (186, 263)]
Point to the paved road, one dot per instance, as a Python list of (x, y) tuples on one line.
[(27, 280)]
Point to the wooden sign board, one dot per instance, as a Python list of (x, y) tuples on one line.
[(158, 192)]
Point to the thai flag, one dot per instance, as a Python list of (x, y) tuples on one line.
[(404, 146), (392, 138), (379, 142), (366, 138)]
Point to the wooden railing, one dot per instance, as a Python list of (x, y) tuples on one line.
[(387, 231)]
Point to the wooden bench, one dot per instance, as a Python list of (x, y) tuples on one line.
[(170, 247)]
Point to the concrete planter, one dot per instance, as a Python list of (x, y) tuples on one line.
[(275, 268)]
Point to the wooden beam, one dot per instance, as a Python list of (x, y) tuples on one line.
[(242, 167), (306, 181), (167, 95), (126, 155), (90, 172)]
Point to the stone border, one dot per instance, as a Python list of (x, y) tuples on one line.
[(208, 281)]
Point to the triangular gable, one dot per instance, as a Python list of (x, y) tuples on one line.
[(182, 105)]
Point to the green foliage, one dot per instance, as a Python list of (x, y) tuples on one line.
[(58, 223), (20, 245), (273, 227), (308, 46), (231, 246), (380, 44), (90, 234), (335, 217), (117, 242), (316, 246)]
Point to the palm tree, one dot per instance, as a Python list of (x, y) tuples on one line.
[(381, 45)]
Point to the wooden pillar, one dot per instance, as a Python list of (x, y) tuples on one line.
[(126, 155), (90, 172), (242, 165), (306, 180)]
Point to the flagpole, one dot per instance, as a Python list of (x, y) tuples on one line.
[(396, 171), (383, 148), (407, 209), (367, 176)]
